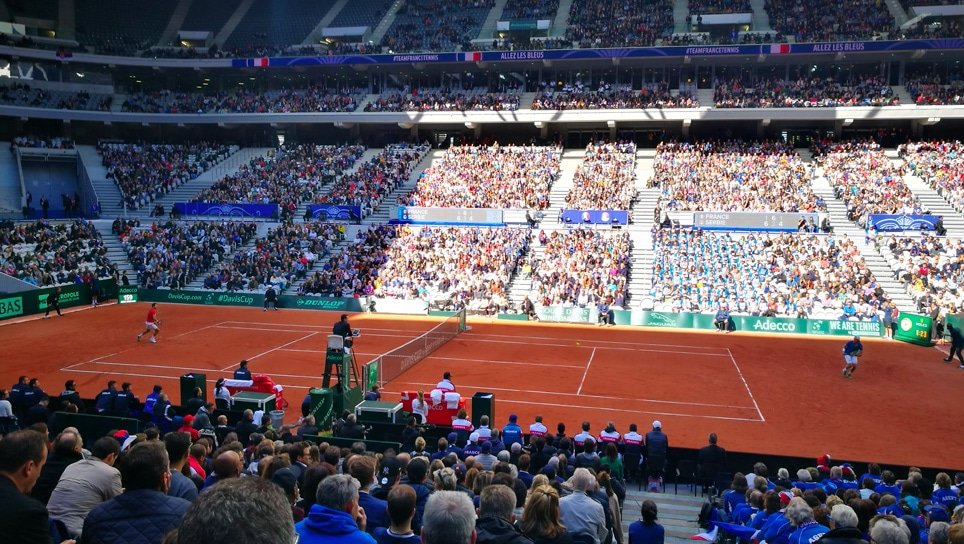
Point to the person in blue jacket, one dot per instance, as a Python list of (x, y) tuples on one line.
[(512, 433), (806, 530), (336, 517)]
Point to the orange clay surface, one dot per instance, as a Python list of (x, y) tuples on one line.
[(767, 394)]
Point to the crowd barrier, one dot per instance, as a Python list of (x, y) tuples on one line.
[(250, 300), (35, 301)]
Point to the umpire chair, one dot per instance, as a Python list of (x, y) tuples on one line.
[(336, 356)]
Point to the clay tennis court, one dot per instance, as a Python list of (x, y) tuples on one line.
[(765, 394)]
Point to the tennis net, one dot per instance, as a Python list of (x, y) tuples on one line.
[(392, 364)]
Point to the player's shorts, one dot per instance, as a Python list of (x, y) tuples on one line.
[(851, 359), (151, 325)]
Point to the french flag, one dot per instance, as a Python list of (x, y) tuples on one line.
[(709, 536), (263, 62), (474, 56), (779, 49)]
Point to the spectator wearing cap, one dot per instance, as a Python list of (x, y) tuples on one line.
[(286, 479), (388, 475), (362, 468), (657, 447), (512, 432), (187, 426), (777, 528), (335, 517), (472, 448), (453, 446), (485, 457), (401, 510), (933, 513), (85, 484)]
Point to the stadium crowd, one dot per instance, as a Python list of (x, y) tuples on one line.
[(311, 99), (772, 275), (436, 25), (530, 9), (46, 254), (284, 256), (606, 178), (579, 96), (145, 172), (289, 175), (18, 94), (172, 255), (35, 142), (496, 176), (719, 6), (439, 99), (733, 175), (582, 267), (602, 23), (803, 93), (929, 92), (930, 269), (865, 179), (373, 181), (940, 164), (826, 20)]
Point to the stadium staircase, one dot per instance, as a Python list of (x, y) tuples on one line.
[(229, 166), (386, 22), (222, 36), (521, 285), (936, 205), (760, 22), (10, 201), (706, 97), (109, 195), (678, 512), (901, 92), (681, 15), (383, 212), (315, 35), (525, 100), (115, 250), (640, 231), (368, 155), (897, 11), (488, 27), (561, 21), (176, 23), (571, 159), (842, 226)]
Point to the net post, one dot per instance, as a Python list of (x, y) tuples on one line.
[(461, 315)]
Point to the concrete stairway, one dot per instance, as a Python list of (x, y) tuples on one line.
[(109, 195), (383, 211), (313, 37), (186, 191), (368, 155), (488, 27), (678, 513), (115, 250), (681, 14), (897, 11), (233, 22), (875, 262), (902, 94), (571, 159), (705, 96), (10, 200), (937, 205), (379, 32), (760, 22), (561, 21), (521, 285)]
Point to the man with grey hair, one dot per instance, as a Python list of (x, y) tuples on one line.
[(497, 516), (937, 532), (843, 526), (580, 513), (806, 529), (449, 519), (238, 510), (336, 516), (887, 529)]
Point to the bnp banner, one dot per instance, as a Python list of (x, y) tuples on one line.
[(914, 328), (250, 300), (35, 301)]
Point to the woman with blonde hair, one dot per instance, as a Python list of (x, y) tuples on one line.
[(540, 518), (419, 448), (605, 483)]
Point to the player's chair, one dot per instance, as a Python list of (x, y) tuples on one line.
[(685, 474)]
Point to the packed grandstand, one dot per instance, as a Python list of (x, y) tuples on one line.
[(590, 161)]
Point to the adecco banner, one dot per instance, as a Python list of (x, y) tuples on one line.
[(250, 300), (639, 318)]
